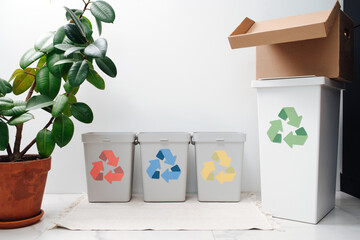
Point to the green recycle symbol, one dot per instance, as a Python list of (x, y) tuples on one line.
[(300, 136)]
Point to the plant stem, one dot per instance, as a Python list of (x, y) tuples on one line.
[(17, 142), (34, 140), (31, 91), (30, 74), (86, 4), (19, 128), (8, 149), (3, 117)]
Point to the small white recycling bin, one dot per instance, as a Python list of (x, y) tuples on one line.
[(164, 159), (298, 135), (219, 157), (109, 161)]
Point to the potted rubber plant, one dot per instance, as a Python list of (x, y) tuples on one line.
[(50, 75)]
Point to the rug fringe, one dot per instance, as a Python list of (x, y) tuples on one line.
[(269, 216), (55, 225)]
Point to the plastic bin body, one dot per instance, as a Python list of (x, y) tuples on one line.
[(164, 159), (109, 161), (219, 158), (299, 182)]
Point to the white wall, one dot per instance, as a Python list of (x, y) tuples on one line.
[(176, 72)]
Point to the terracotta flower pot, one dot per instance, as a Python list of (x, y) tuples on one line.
[(22, 186)]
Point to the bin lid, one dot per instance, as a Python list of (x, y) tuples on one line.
[(296, 82), (163, 137), (99, 137), (219, 137)]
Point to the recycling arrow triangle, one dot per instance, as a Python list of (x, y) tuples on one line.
[(172, 172), (97, 171), (221, 158), (291, 118)]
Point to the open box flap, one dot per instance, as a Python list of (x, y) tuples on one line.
[(290, 29)]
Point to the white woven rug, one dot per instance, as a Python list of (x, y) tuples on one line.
[(188, 215)]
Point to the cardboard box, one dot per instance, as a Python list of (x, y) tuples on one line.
[(319, 44)]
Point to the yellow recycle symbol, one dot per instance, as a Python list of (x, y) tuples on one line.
[(209, 167)]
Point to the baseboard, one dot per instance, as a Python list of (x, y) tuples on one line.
[(350, 185)]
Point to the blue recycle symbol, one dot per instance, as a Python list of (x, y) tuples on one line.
[(153, 169)]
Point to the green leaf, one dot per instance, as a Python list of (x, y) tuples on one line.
[(63, 46), (88, 21), (23, 81), (103, 11), (39, 101), (61, 38), (6, 103), (72, 50), (63, 130), (57, 70), (82, 112), (18, 109), (78, 73), (5, 87), (45, 143), (99, 26), (16, 73), (47, 83), (76, 20), (4, 133), (45, 42), (77, 12), (107, 66), (72, 99), (77, 56), (59, 106), (89, 61), (63, 61), (75, 90), (73, 33), (70, 89), (29, 57), (97, 49), (16, 120), (94, 78), (41, 62), (87, 27)]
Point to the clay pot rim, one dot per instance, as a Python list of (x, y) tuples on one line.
[(38, 159)]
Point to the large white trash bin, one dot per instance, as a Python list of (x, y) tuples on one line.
[(219, 157), (164, 159), (298, 135), (109, 161)]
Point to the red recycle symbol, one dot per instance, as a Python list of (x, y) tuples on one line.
[(98, 168)]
